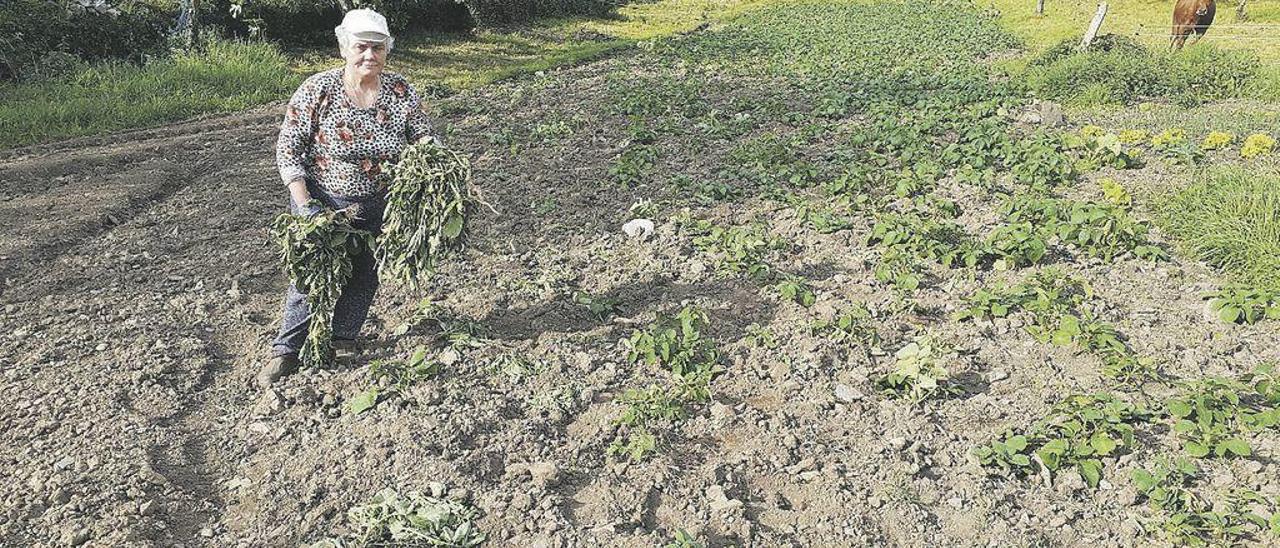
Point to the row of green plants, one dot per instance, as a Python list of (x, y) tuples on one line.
[(679, 348), (1212, 417)]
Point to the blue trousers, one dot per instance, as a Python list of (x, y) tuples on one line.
[(353, 304)]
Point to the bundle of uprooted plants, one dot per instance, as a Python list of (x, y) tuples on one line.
[(427, 207), (317, 252)]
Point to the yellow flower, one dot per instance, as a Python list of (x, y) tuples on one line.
[(1114, 192), (1256, 145), (1092, 131), (1169, 137), (1133, 136), (1218, 140)]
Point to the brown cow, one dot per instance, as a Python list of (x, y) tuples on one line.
[(1191, 16)]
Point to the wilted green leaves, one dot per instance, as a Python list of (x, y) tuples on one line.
[(392, 519), (427, 207), (919, 371), (317, 252), (394, 377)]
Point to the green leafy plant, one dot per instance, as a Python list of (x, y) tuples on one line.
[(394, 377), (1099, 229), (737, 249), (1115, 193), (412, 520), (683, 539), (675, 343), (1168, 138), (795, 288), (1209, 417), (1184, 517), (317, 253), (1106, 231), (900, 270), (1077, 433), (634, 166), (1245, 305), (923, 238), (1016, 245), (853, 325), (919, 371), (1217, 140), (1258, 144), (1101, 150), (824, 219), (428, 202), (1039, 161), (760, 336), (600, 307)]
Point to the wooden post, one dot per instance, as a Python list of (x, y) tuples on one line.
[(189, 34), (1094, 26), (195, 24), (1240, 14), (1039, 7)]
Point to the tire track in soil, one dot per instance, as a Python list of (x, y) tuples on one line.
[(194, 469), (175, 184)]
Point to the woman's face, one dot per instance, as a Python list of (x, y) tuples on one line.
[(365, 58)]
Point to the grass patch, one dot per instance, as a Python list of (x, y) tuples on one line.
[(105, 97), (1122, 71), (231, 76), (1241, 117), (1230, 218), (1146, 21), (1148, 24), (457, 61)]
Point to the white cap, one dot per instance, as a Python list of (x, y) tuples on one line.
[(365, 25)]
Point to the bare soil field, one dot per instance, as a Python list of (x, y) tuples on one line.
[(140, 289)]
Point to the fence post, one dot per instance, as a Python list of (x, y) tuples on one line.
[(1040, 7), (1094, 26)]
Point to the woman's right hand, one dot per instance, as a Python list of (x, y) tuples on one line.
[(311, 208)]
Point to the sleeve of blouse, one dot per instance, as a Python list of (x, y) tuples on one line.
[(296, 132), (417, 123)]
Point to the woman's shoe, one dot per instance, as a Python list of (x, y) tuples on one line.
[(277, 367), (345, 349)]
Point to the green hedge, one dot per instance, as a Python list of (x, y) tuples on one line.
[(34, 32)]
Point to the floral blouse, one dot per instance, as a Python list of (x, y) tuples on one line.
[(327, 139)]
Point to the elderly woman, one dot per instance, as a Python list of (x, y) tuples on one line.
[(339, 127)]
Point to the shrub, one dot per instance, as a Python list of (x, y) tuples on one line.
[(1206, 74), (1103, 43), (32, 29), (1122, 74)]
